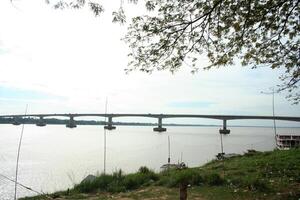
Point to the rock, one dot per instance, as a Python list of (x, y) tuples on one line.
[(89, 178)]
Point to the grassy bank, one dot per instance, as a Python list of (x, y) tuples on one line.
[(259, 175)]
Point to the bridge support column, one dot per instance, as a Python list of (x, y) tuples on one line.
[(224, 130), (16, 121), (41, 122), (159, 128), (71, 123), (109, 126)]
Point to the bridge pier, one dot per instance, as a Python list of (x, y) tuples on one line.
[(110, 126), (71, 123), (16, 121), (224, 130), (41, 122), (159, 128)]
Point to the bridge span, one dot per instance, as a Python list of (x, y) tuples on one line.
[(160, 117)]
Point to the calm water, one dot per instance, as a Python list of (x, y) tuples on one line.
[(54, 157)]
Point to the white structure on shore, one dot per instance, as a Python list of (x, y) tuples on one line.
[(287, 141)]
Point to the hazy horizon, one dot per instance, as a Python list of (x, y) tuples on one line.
[(68, 61)]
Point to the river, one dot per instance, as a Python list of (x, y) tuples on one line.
[(55, 158)]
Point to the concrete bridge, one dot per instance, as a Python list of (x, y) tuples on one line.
[(159, 117)]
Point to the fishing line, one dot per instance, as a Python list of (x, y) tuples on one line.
[(104, 162), (18, 155), (24, 186)]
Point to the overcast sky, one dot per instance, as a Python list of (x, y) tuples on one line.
[(70, 62)]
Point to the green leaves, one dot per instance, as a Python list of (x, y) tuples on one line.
[(258, 33), (254, 32), (96, 8), (119, 16), (150, 5)]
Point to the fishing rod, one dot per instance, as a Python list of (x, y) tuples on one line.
[(104, 161), (24, 186), (18, 155)]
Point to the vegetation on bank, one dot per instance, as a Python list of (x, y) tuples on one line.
[(258, 175), (32, 120)]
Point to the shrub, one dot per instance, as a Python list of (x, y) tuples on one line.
[(100, 183), (133, 181), (213, 179), (175, 177), (256, 184), (152, 176), (236, 181), (189, 176), (118, 176), (297, 179), (144, 170), (115, 187), (260, 185), (163, 181), (86, 187), (103, 181)]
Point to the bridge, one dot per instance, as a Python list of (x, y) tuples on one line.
[(110, 125)]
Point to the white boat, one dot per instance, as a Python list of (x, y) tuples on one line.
[(287, 141), (221, 156), (169, 165)]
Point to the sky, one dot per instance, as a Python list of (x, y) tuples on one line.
[(68, 61)]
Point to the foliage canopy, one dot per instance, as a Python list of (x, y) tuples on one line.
[(253, 32)]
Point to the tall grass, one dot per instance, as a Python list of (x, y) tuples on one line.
[(271, 172), (118, 181)]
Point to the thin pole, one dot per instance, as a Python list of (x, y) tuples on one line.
[(273, 110), (104, 162), (181, 157), (169, 159), (274, 121), (22, 185), (104, 157), (222, 149), (18, 156), (222, 154)]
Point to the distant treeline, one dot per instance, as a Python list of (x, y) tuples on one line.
[(30, 120)]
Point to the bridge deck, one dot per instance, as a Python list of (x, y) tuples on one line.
[(161, 116)]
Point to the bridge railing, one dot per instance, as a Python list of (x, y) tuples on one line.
[(16, 119)]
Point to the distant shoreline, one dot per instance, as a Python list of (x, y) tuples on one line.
[(54, 121)]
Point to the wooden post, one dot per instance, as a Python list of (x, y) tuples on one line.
[(183, 191)]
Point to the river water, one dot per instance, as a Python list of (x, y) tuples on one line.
[(55, 158)]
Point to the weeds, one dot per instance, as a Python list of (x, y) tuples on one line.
[(270, 173), (118, 181), (214, 179)]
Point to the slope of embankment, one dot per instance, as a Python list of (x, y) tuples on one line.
[(270, 175)]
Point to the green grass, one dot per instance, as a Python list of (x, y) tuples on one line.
[(118, 182), (261, 175)]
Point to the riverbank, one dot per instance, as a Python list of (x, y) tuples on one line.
[(257, 175)]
